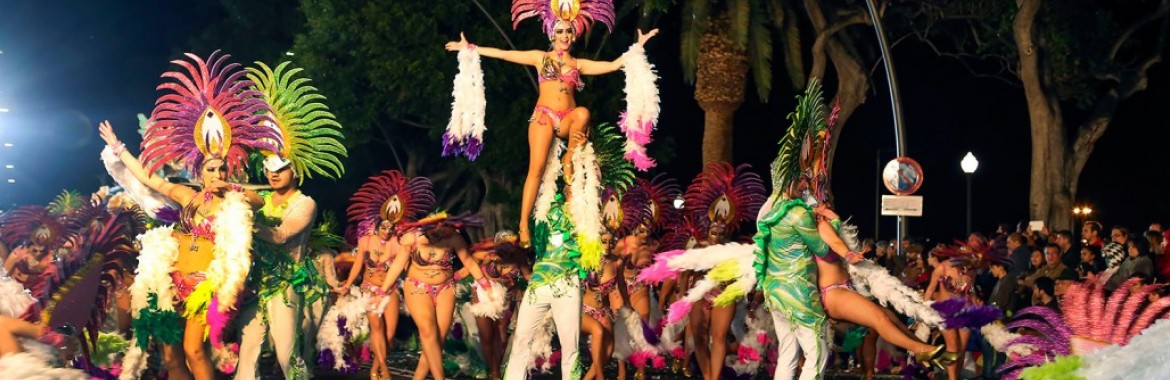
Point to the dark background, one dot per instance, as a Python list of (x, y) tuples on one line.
[(68, 65)]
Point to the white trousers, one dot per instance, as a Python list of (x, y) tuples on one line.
[(566, 314), (792, 341), (314, 315), (284, 319)]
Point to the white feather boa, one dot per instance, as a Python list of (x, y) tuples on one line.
[(540, 346), (159, 251), (469, 105), (37, 362), (998, 337), (629, 339), (754, 344), (233, 249), (585, 205), (548, 183), (330, 337), (737, 256), (669, 338), (150, 200), (642, 106), (874, 281), (14, 298), (491, 302)]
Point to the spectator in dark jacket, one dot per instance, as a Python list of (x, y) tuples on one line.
[(1018, 253)]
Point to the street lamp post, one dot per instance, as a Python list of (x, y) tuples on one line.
[(969, 164)]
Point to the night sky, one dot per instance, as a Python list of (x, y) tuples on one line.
[(68, 65)]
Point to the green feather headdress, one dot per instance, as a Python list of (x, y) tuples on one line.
[(312, 135), (797, 145), (66, 202)]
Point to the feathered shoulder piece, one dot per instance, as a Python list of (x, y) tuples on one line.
[(208, 111), (966, 255), (658, 196), (35, 224), (311, 134), (390, 196), (725, 196), (579, 13), (796, 145)]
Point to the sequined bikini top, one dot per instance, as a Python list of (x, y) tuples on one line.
[(551, 71)]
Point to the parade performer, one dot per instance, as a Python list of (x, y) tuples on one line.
[(376, 211), (557, 113), (434, 243), (36, 236), (606, 302), (723, 198), (951, 279), (283, 275), (503, 262), (597, 307), (780, 263), (209, 119)]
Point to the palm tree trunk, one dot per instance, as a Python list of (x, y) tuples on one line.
[(720, 84)]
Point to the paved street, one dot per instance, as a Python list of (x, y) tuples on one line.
[(402, 365)]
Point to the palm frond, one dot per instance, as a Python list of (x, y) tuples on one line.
[(776, 13), (793, 54), (694, 23), (740, 14), (312, 135), (760, 54)]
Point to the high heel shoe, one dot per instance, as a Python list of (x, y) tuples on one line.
[(676, 366), (945, 359), (687, 370), (927, 358)]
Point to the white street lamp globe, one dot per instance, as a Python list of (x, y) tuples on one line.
[(969, 163)]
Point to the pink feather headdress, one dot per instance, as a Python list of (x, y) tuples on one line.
[(207, 112), (726, 196), (657, 196), (389, 196), (579, 13)]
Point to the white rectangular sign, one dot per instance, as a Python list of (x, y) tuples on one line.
[(902, 205)]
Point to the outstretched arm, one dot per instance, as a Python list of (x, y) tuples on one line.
[(177, 193), (526, 57), (588, 67)]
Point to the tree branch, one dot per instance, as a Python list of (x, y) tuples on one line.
[(1162, 9)]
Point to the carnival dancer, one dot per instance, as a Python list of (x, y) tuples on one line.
[(602, 294), (503, 262), (842, 302), (723, 198), (376, 211), (36, 236), (434, 243), (283, 274), (209, 120), (951, 279), (682, 235), (557, 113)]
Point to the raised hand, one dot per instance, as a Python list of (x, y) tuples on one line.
[(107, 133), (642, 38), (457, 45)]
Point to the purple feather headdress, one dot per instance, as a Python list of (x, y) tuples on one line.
[(207, 112), (579, 13), (725, 195)]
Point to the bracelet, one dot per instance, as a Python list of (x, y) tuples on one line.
[(118, 149), (470, 46), (236, 187), (484, 282)]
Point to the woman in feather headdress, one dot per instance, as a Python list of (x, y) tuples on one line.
[(951, 279), (557, 114), (503, 262), (36, 236), (377, 209), (434, 243), (724, 198), (209, 119)]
